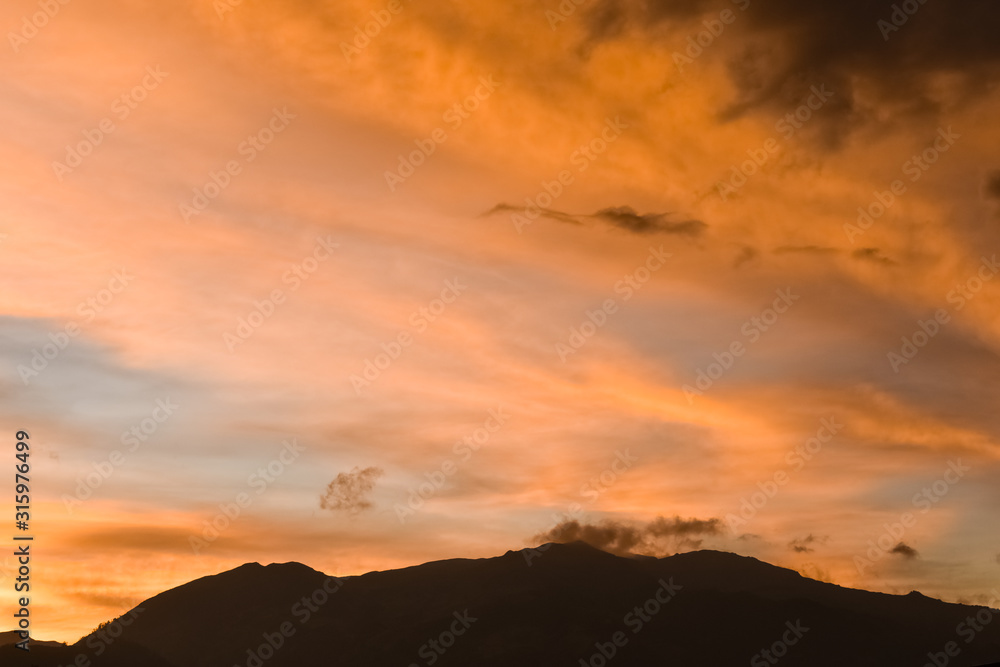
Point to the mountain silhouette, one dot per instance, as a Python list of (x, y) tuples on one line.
[(560, 604), (13, 637)]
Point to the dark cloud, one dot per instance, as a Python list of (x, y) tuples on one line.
[(905, 550), (624, 538), (684, 527), (609, 536), (622, 217), (349, 490), (626, 218), (803, 545), (779, 49), (605, 20), (746, 254), (991, 188), (872, 255)]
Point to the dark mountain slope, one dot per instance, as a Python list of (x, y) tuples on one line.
[(562, 605)]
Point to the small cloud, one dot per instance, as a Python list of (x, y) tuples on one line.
[(905, 550), (871, 255), (803, 545), (348, 491), (998, 559)]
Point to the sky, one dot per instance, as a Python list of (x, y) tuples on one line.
[(368, 284)]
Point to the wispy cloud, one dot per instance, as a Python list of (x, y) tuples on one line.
[(619, 217)]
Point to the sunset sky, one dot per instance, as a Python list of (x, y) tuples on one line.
[(496, 249)]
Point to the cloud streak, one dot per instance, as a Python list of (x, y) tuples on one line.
[(619, 217)]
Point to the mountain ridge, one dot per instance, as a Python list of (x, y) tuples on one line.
[(556, 604)]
